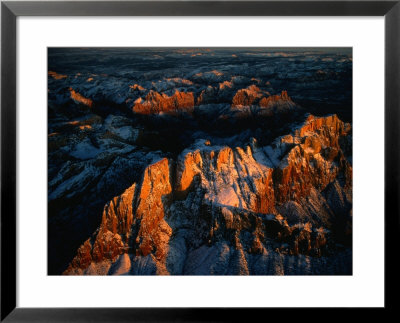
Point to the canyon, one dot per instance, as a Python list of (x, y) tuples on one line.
[(199, 168), (248, 206)]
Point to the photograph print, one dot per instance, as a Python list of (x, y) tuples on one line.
[(199, 161)]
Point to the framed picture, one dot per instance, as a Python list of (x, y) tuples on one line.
[(198, 152)]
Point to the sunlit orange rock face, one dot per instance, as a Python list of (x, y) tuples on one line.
[(225, 84), (230, 178), (190, 167), (85, 127), (118, 213), (154, 232), (266, 102), (231, 195), (114, 236), (253, 96), (136, 87), (178, 80), (330, 127), (246, 97), (80, 98), (155, 102), (56, 75), (309, 164)]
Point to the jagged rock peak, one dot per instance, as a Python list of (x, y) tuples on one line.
[(275, 99), (155, 102), (330, 122), (120, 231), (253, 95), (247, 96)]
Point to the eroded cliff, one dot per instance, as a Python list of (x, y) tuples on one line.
[(284, 208)]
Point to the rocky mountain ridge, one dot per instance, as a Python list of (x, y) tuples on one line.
[(250, 177), (242, 210)]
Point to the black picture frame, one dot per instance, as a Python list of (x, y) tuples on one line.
[(10, 10)]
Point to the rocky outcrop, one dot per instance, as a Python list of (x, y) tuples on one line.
[(57, 76), (315, 160), (132, 224), (112, 237), (229, 178), (155, 194), (247, 97), (280, 102), (179, 81), (310, 158), (229, 206), (190, 166), (269, 104), (79, 98), (225, 84), (209, 76), (136, 87), (155, 102)]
